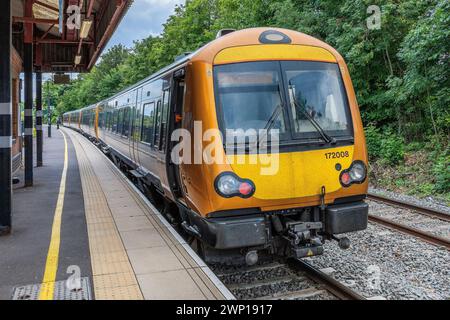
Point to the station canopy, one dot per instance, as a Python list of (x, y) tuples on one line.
[(67, 35)]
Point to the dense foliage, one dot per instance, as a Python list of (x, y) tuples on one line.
[(400, 71)]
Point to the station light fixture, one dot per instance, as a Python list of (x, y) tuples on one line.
[(85, 28), (77, 59)]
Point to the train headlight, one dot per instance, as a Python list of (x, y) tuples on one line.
[(229, 185), (357, 173)]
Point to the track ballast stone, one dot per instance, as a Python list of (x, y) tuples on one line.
[(386, 263)]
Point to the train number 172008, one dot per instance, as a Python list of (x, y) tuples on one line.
[(337, 155)]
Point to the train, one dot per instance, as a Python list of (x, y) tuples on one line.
[(251, 145)]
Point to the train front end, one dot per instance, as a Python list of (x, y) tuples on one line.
[(295, 162)]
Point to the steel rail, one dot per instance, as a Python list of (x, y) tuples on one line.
[(332, 285), (402, 204), (426, 236)]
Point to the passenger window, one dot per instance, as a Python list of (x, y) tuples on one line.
[(148, 121), (90, 118), (100, 119), (108, 116), (165, 116), (114, 121), (126, 121), (120, 122), (157, 123), (111, 120)]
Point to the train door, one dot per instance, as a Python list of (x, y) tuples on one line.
[(135, 134), (176, 111)]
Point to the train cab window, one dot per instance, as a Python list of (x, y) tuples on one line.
[(249, 97), (148, 123), (316, 89), (157, 124), (126, 122), (164, 119)]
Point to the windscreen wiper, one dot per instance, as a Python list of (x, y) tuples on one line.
[(319, 129), (273, 117)]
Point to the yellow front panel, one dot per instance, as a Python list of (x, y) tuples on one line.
[(273, 52), (299, 174)]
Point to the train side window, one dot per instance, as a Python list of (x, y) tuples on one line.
[(164, 119), (120, 122), (110, 120), (85, 118), (148, 121), (126, 121), (114, 126), (100, 119), (107, 116), (157, 124), (92, 118)]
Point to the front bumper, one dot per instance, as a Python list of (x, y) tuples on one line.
[(255, 230), (233, 232), (348, 217)]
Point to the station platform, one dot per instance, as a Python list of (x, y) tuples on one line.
[(85, 232)]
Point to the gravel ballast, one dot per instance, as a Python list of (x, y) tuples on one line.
[(411, 218), (389, 264)]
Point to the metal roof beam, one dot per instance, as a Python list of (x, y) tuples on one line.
[(61, 41), (90, 8)]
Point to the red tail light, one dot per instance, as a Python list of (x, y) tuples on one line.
[(346, 179), (245, 188)]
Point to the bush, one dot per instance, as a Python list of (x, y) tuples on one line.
[(384, 145), (373, 141), (441, 173)]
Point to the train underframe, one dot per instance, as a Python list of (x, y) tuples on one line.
[(297, 233)]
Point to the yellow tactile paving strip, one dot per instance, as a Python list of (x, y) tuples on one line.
[(113, 276), (117, 218), (196, 272)]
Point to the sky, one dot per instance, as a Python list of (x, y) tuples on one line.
[(144, 18)]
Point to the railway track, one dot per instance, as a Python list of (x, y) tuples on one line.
[(402, 204), (421, 234), (291, 279)]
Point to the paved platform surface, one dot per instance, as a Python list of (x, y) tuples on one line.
[(99, 223), (24, 252)]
